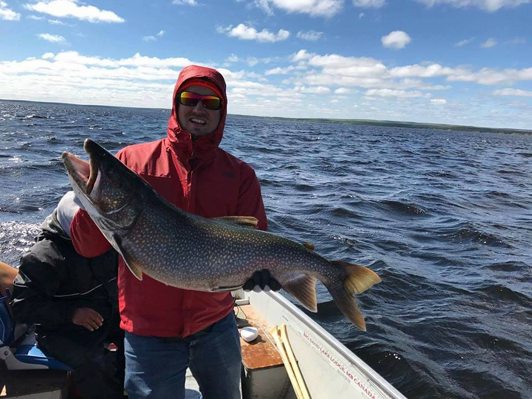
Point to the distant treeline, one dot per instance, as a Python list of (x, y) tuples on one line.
[(370, 122), (414, 125)]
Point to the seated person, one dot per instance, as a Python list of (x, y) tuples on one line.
[(73, 303)]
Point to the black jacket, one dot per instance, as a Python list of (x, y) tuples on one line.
[(54, 280)]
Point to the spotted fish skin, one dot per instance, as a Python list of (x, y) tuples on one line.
[(194, 253)]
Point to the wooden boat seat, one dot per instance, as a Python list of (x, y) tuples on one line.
[(261, 353), (264, 374)]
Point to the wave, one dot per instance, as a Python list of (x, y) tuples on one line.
[(403, 208), (503, 293), (37, 117)]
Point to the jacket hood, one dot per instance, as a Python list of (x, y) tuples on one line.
[(58, 223), (51, 227), (181, 140)]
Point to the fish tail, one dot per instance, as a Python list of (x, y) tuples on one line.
[(358, 280)]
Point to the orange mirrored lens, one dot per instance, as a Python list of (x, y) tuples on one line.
[(191, 100)]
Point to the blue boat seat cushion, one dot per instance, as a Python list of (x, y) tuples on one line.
[(27, 352), (33, 355)]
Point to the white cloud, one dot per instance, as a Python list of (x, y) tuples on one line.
[(139, 61), (314, 90), (340, 71), (311, 35), (353, 66), (341, 90), (315, 8), (369, 3), (396, 39), (35, 18), (244, 32), (422, 71), (491, 77), (52, 38), (252, 61), (185, 2), (491, 42), (71, 9), (438, 101), (517, 40), (361, 15), (153, 38), (7, 14), (279, 71), (463, 42), (395, 93), (512, 92), (486, 5), (301, 55), (133, 81)]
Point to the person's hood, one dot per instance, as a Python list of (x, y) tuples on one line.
[(51, 227), (58, 223), (181, 140)]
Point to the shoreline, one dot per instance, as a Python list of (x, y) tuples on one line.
[(370, 122)]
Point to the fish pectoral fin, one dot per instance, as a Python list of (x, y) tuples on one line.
[(241, 221), (135, 269), (225, 289), (303, 288), (130, 263), (359, 278)]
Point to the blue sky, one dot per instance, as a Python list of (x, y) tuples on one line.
[(463, 62)]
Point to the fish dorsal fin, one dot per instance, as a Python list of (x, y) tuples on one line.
[(303, 288), (241, 221), (359, 278), (309, 245), (130, 263)]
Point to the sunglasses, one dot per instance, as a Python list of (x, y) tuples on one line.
[(191, 100)]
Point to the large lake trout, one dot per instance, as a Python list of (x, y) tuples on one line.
[(194, 253)]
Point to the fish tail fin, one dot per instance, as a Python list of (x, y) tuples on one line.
[(358, 280)]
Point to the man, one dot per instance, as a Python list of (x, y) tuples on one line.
[(169, 329), (73, 302)]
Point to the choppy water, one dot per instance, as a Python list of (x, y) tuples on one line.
[(445, 218)]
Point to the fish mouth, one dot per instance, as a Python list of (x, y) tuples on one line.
[(83, 173)]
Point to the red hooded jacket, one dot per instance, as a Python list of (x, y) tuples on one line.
[(198, 177)]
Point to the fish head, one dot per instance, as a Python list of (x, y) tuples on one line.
[(108, 190)]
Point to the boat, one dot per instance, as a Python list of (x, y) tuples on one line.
[(328, 368), (290, 357)]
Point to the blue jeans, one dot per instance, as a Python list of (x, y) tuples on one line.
[(156, 367)]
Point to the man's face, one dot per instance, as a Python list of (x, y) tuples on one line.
[(198, 120)]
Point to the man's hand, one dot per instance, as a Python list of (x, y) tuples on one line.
[(260, 280), (88, 318)]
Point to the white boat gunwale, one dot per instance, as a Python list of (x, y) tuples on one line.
[(332, 351)]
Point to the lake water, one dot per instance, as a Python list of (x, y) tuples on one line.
[(444, 217)]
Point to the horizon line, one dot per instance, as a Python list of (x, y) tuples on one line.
[(374, 122)]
